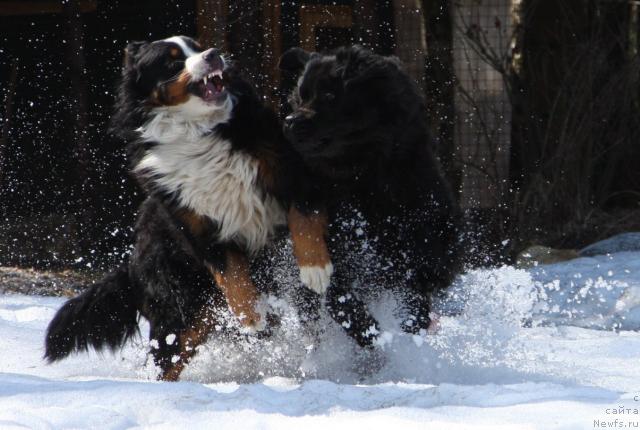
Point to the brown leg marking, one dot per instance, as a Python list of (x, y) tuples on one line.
[(234, 281), (236, 285), (242, 296), (238, 288), (308, 233), (189, 340)]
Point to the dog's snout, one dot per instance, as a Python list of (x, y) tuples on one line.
[(212, 56)]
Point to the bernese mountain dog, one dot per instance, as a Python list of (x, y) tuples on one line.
[(220, 178), (359, 123)]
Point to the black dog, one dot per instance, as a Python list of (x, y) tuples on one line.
[(219, 177), (359, 123)]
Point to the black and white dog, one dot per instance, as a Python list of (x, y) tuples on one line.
[(220, 178)]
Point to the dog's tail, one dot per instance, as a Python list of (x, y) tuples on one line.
[(104, 315)]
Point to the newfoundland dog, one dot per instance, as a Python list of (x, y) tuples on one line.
[(359, 123)]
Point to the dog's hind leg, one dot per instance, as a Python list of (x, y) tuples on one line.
[(176, 349), (227, 265), (415, 315), (234, 280), (352, 314)]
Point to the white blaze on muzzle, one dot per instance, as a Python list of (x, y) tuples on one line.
[(195, 64)]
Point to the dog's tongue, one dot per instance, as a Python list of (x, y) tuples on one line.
[(210, 90)]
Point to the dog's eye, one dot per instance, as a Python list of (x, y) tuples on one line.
[(328, 96)]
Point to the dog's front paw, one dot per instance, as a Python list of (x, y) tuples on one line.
[(252, 315), (272, 323), (317, 278), (253, 325)]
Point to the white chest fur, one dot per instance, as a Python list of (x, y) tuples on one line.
[(214, 181)]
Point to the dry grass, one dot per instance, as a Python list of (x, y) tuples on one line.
[(40, 282)]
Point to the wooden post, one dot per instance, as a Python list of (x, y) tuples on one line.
[(211, 17), (411, 39), (271, 11), (313, 16), (8, 115), (365, 23), (39, 7), (79, 113), (78, 83), (245, 41)]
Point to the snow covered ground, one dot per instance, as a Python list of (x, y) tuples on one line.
[(554, 347)]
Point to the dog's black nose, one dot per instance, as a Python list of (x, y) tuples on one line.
[(212, 56)]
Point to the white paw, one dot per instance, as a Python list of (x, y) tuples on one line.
[(255, 327), (317, 278), (257, 322)]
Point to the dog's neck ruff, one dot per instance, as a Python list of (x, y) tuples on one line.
[(209, 177), (189, 120)]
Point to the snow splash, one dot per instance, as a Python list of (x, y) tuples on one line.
[(489, 320), (480, 319)]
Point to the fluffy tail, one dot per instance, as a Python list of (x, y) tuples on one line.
[(104, 315)]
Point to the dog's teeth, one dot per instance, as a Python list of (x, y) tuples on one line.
[(205, 80)]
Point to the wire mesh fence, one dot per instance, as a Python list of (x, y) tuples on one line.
[(481, 46)]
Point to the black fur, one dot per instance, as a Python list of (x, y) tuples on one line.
[(166, 280), (359, 123), (104, 315)]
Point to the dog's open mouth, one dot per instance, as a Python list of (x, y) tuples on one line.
[(211, 87)]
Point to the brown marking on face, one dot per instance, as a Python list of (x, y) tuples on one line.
[(175, 52), (308, 233), (190, 339), (176, 91), (235, 283)]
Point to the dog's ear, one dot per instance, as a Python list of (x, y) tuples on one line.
[(131, 52), (294, 60)]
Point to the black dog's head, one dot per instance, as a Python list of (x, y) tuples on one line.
[(174, 75), (348, 106)]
